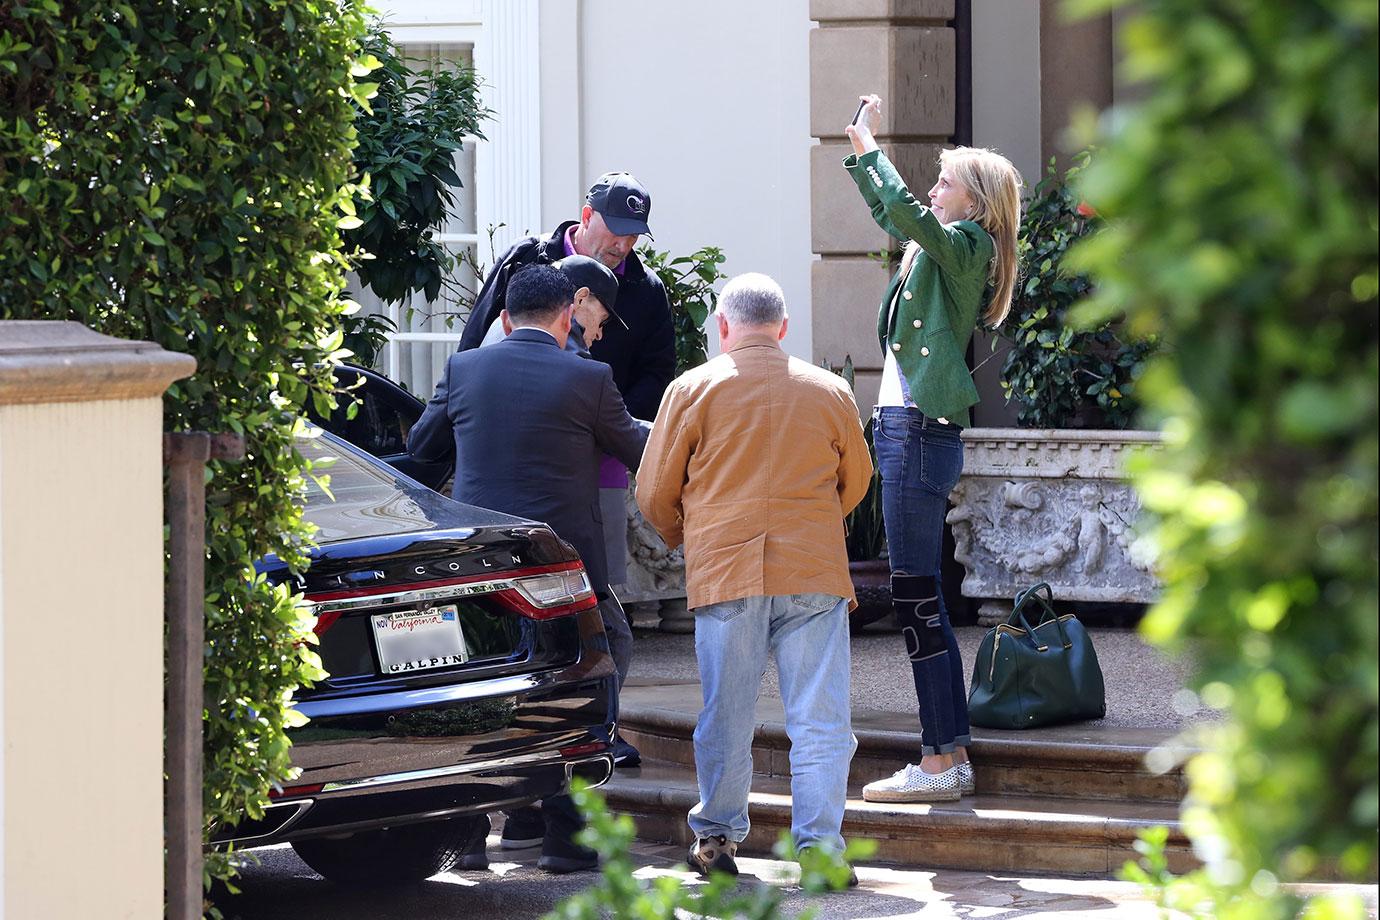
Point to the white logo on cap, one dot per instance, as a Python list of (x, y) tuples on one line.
[(636, 204)]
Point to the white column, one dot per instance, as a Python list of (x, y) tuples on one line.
[(509, 162)]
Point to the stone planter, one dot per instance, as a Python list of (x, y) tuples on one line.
[(656, 574), (1049, 505)]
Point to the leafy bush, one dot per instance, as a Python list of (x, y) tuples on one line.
[(409, 134), (689, 282), (176, 173), (865, 537), (1240, 200), (1060, 376), (621, 894)]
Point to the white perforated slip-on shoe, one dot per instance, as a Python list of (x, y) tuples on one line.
[(967, 781), (912, 784)]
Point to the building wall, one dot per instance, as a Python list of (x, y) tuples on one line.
[(714, 120), (717, 121), (1006, 81), (1006, 117)]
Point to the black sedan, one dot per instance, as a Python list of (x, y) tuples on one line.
[(468, 673)]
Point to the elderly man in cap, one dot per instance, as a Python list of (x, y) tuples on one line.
[(640, 347), (596, 296)]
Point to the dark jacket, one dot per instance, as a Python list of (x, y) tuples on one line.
[(643, 356), (529, 424)]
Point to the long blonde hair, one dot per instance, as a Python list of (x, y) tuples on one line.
[(995, 187)]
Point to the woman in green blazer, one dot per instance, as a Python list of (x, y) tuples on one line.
[(959, 262)]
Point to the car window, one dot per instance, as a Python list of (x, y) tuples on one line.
[(359, 498), (386, 413)]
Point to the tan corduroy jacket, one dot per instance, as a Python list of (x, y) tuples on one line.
[(753, 462)]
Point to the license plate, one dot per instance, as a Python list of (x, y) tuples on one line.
[(416, 640)]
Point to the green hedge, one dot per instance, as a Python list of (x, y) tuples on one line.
[(1241, 203), (176, 172)]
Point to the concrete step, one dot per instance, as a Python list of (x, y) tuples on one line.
[(994, 833), (1085, 761)]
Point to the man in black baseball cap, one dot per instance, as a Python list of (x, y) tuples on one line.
[(640, 347)]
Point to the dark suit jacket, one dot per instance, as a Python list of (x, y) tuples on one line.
[(529, 424)]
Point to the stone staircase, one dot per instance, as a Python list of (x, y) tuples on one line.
[(1068, 800)]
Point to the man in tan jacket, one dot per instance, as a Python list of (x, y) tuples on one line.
[(753, 462)]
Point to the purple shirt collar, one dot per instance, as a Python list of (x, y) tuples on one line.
[(569, 241)]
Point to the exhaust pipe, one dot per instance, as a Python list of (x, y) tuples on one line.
[(596, 771)]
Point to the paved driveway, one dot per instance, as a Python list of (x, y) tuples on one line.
[(283, 888)]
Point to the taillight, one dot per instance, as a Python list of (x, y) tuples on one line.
[(549, 595), (557, 589), (538, 593)]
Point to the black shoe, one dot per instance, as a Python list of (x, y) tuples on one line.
[(473, 857), (561, 855), (713, 854), (625, 755), (522, 829)]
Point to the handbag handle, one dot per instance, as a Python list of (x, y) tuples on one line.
[(1047, 613)]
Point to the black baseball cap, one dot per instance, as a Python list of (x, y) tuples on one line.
[(623, 203), (582, 271)]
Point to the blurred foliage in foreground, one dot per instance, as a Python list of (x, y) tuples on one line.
[(1241, 204), (619, 893)]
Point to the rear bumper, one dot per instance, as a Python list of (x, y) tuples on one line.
[(399, 757), (406, 799)]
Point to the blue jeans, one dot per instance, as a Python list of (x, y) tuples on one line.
[(920, 461), (808, 633)]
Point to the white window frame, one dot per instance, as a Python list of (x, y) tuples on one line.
[(504, 36)]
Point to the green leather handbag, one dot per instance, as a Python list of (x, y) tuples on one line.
[(1029, 676)]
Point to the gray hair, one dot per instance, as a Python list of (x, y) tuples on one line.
[(752, 299)]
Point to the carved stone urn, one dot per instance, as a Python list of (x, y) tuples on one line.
[(1050, 505), (656, 573)]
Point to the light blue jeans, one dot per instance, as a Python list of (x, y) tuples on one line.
[(808, 634)]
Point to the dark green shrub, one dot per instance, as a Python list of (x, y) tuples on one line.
[(864, 530), (1058, 375), (176, 173), (689, 282), (1240, 200), (408, 136)]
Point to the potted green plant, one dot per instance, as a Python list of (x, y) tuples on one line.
[(1048, 500)]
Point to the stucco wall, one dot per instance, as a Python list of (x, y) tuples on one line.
[(706, 103), (81, 608)]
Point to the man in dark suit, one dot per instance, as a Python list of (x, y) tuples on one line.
[(529, 423), (640, 347)]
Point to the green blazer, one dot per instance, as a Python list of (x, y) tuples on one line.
[(938, 302)]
